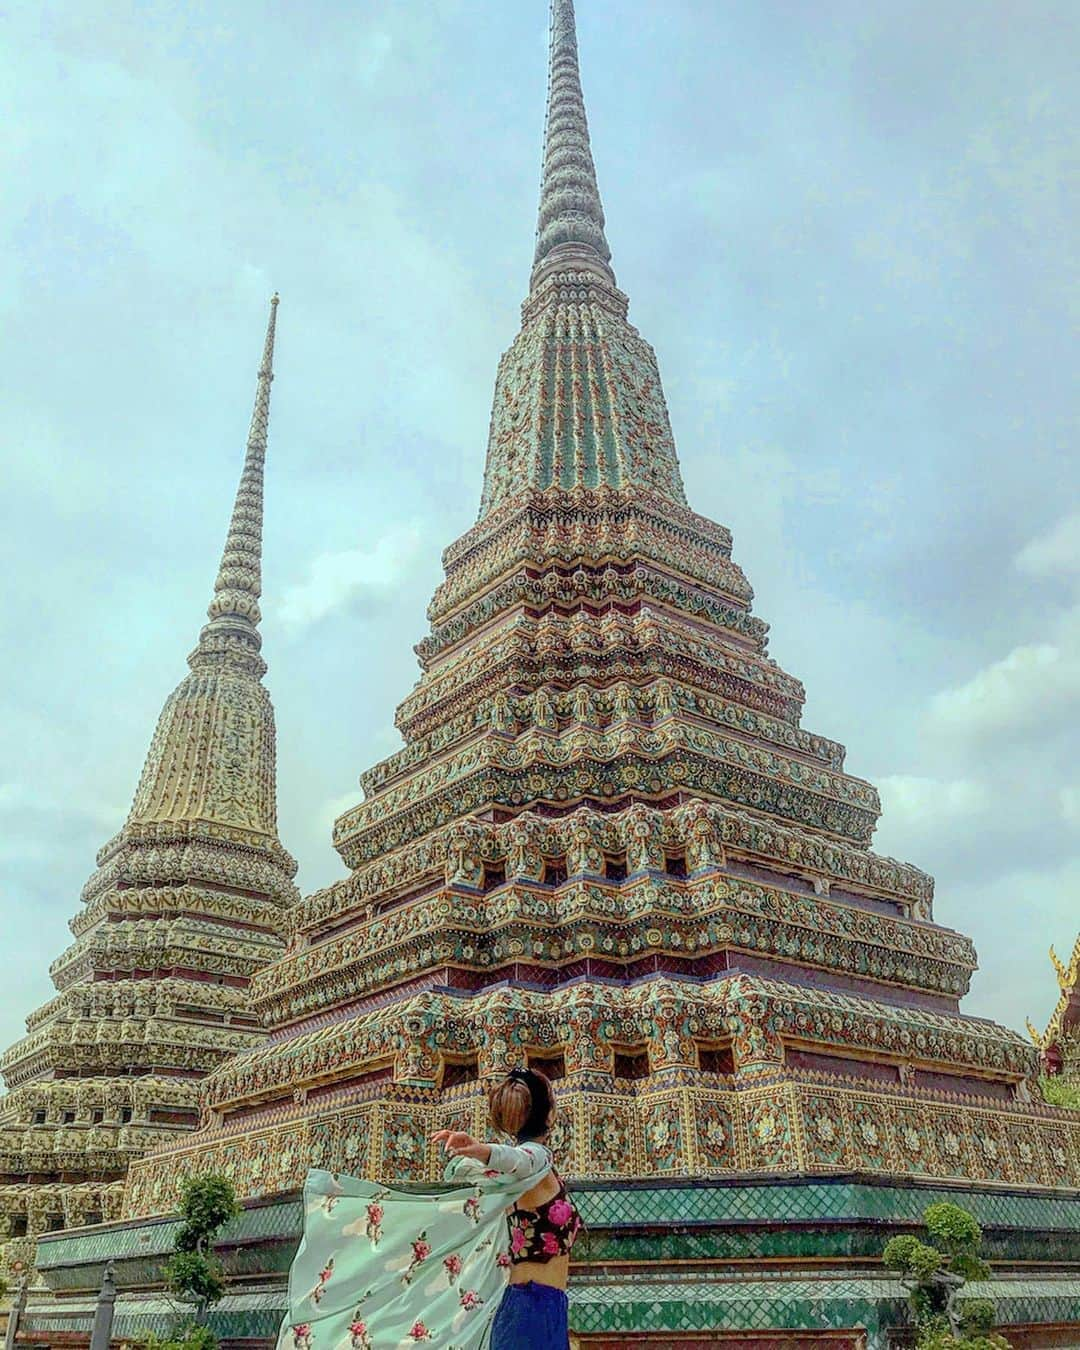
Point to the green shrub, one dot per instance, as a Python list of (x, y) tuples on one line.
[(934, 1272), (954, 1231), (945, 1340), (1059, 1092), (976, 1315), (187, 1337)]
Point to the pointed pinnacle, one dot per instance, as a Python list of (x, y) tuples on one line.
[(570, 227), (234, 611)]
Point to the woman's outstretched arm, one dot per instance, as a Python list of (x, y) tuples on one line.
[(520, 1161)]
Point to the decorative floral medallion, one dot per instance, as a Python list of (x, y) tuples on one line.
[(663, 1135), (870, 1136), (825, 1129), (608, 1139), (404, 1148), (714, 1131), (769, 1133), (766, 1127)]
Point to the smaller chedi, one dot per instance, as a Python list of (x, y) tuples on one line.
[(1059, 1044), (185, 905)]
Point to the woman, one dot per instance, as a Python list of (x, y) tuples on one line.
[(543, 1222), (387, 1269)]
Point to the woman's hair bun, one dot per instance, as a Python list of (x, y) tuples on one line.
[(522, 1104)]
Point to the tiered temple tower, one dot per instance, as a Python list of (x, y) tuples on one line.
[(185, 905), (608, 847)]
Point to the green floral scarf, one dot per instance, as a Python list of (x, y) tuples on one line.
[(385, 1269)]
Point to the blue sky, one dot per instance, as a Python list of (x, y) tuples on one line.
[(846, 230)]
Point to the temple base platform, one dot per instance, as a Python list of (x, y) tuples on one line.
[(681, 1264)]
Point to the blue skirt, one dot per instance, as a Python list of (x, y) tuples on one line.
[(531, 1317)]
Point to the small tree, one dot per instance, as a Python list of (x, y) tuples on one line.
[(192, 1272), (934, 1272)]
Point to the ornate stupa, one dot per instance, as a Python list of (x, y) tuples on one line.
[(608, 847), (185, 905), (1059, 1043)]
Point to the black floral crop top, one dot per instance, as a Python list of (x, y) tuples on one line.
[(545, 1232)]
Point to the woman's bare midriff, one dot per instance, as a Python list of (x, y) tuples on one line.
[(556, 1272)]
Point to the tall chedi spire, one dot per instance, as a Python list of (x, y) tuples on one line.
[(180, 781), (610, 848), (234, 614), (578, 398), (570, 228), (186, 903)]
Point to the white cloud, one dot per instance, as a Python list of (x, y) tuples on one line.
[(1025, 689), (929, 821), (1069, 801), (910, 800), (31, 820), (1032, 685), (1013, 919), (253, 281), (373, 53), (336, 579), (21, 797), (1056, 552), (337, 806)]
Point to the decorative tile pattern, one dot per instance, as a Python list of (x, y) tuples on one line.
[(825, 1235), (713, 1142), (662, 1130), (824, 1205), (788, 1128), (119, 1242), (645, 1303)]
